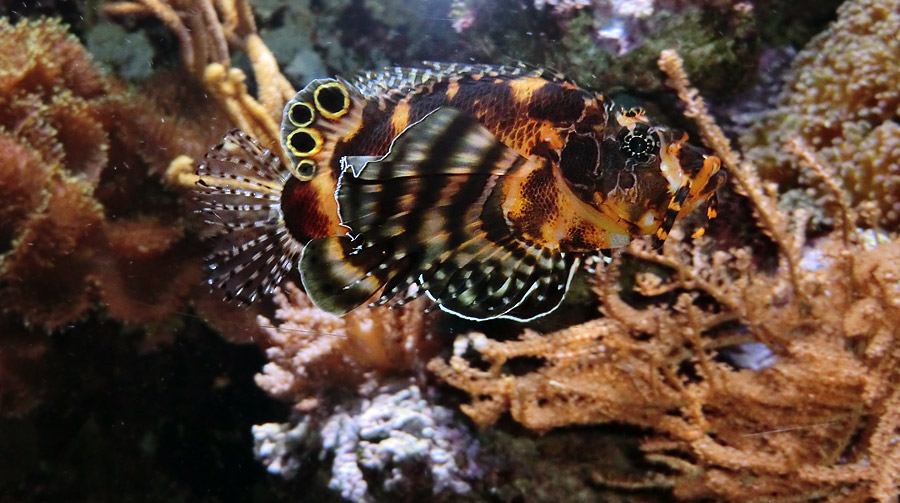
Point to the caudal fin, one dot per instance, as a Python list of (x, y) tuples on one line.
[(238, 195)]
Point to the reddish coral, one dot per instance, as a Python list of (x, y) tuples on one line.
[(24, 174), (46, 273), (63, 124)]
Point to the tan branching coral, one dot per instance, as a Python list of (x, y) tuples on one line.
[(311, 351), (205, 30), (821, 423), (842, 98)]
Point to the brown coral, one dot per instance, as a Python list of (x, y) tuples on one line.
[(820, 424), (24, 173), (63, 124), (46, 274), (842, 98)]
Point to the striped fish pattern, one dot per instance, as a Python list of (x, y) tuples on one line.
[(482, 187), (430, 213)]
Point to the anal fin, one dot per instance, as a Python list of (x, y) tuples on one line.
[(339, 276)]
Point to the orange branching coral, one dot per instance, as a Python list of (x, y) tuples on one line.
[(205, 30), (310, 350), (842, 98), (821, 423)]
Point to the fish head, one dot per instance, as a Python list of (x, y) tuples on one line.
[(630, 168), (617, 166)]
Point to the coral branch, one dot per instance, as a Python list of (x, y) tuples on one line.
[(812, 416), (743, 173), (801, 149), (166, 15), (208, 29)]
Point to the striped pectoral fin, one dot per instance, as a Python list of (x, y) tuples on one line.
[(480, 284), (238, 196), (549, 290), (339, 275), (432, 208), (671, 216), (499, 280), (436, 167), (494, 275)]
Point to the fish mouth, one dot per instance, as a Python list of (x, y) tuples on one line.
[(680, 156)]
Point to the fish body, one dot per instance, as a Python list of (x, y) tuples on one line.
[(481, 187)]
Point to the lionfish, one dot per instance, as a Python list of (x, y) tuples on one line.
[(482, 187)]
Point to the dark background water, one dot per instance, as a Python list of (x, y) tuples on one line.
[(118, 419)]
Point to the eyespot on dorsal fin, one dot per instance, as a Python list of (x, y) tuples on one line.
[(323, 113), (238, 195), (429, 213)]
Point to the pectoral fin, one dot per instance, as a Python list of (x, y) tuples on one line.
[(428, 213)]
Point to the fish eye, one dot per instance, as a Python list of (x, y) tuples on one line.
[(332, 100), (305, 170), (640, 144)]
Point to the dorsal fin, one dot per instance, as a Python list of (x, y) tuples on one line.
[(316, 119), (429, 213), (394, 83)]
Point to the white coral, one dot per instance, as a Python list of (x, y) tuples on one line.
[(391, 431), (384, 436)]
